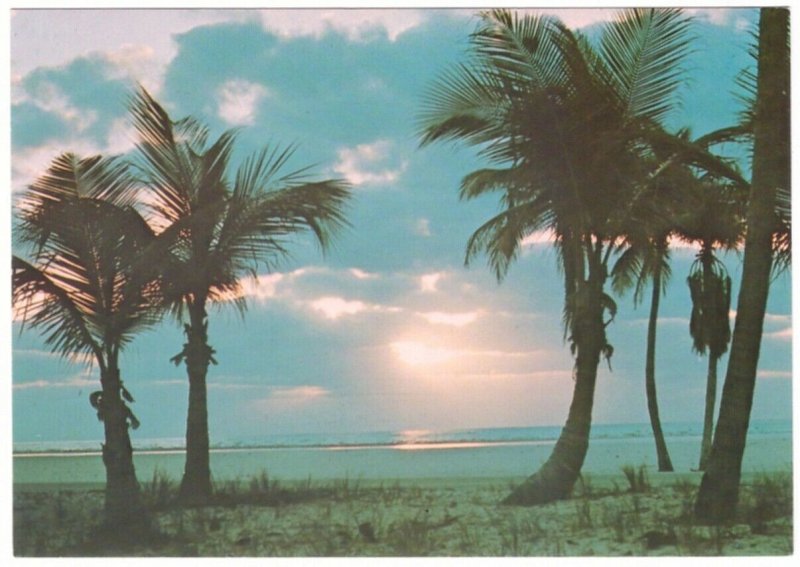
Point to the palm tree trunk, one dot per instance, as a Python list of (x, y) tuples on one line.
[(664, 462), (196, 482), (557, 476), (124, 509), (718, 496), (708, 418)]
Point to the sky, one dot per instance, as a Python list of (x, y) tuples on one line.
[(390, 330)]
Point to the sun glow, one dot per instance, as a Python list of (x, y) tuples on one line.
[(416, 353)]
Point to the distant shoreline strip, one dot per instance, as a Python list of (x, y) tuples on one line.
[(404, 446)]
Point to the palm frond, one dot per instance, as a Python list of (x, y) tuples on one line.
[(644, 50), (464, 104), (519, 47), (44, 304), (78, 286), (500, 237)]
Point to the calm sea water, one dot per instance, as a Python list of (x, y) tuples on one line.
[(474, 453)]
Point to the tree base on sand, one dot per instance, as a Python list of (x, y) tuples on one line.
[(554, 481)]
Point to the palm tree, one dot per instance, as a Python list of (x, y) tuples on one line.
[(566, 125), (218, 231), (718, 496), (710, 289), (77, 288), (640, 263), (713, 219)]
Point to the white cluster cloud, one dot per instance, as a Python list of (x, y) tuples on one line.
[(334, 307), (137, 63), (29, 163), (50, 98), (239, 100), (370, 164), (355, 24)]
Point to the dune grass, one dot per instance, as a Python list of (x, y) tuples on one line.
[(629, 514)]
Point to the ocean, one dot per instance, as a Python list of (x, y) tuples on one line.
[(414, 454)]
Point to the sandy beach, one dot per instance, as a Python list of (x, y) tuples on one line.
[(427, 517), (318, 502)]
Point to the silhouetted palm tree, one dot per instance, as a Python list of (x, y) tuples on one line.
[(567, 126), (78, 289), (219, 230), (641, 263), (718, 496), (713, 219)]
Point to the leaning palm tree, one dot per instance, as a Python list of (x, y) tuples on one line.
[(718, 496), (216, 231), (566, 125), (78, 289)]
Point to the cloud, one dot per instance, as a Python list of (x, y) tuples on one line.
[(538, 237), (232, 386), (49, 98), (767, 374), (661, 321), (420, 353), (333, 307), (715, 16), (139, 42), (291, 397), (536, 375), (360, 274), (417, 353), (238, 101), (423, 227), (74, 382), (136, 62), (776, 318), (168, 382), (451, 319), (29, 163), (299, 392), (782, 335), (74, 357), (370, 164), (354, 24), (428, 283), (580, 17), (263, 287)]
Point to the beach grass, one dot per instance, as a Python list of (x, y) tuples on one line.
[(632, 514)]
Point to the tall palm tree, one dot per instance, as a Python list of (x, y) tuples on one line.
[(78, 289), (566, 124), (718, 496), (218, 230), (639, 264)]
